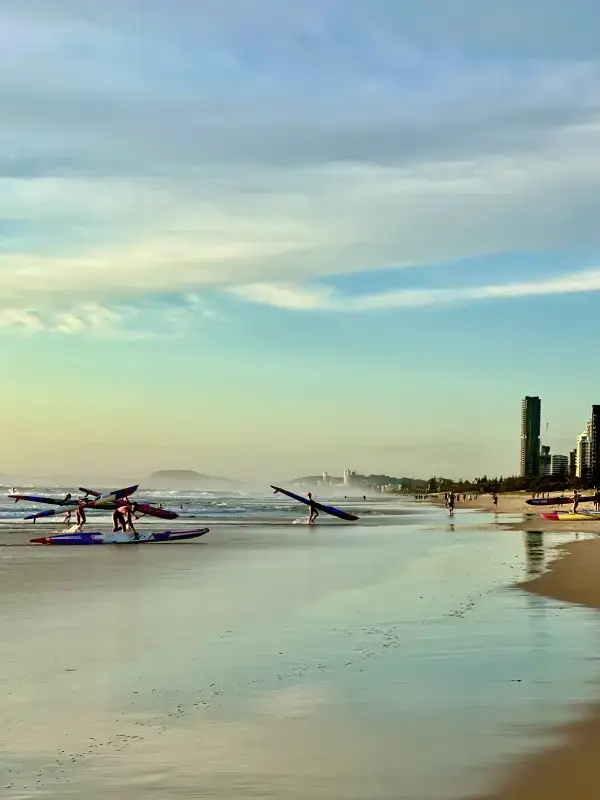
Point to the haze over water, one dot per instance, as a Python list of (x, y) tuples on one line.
[(385, 659)]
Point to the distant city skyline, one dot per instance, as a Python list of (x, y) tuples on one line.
[(536, 459)]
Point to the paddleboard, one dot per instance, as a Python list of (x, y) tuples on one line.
[(557, 501), (335, 512), (88, 537), (98, 503)]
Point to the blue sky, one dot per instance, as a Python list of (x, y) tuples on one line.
[(262, 240)]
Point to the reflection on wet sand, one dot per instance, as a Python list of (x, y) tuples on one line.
[(535, 555)]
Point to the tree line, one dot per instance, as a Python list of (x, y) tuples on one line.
[(512, 483)]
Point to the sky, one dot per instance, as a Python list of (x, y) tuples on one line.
[(262, 239)]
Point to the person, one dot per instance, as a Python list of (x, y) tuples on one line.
[(495, 501), (118, 520), (451, 503), (313, 509), (80, 518), (597, 500), (65, 499), (575, 501), (128, 512)]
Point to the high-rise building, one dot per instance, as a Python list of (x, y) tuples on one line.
[(349, 477), (531, 420), (545, 461), (582, 459), (573, 463), (559, 465), (594, 437)]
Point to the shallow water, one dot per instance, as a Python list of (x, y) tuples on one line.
[(276, 661)]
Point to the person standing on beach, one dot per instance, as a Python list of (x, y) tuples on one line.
[(495, 501), (451, 503), (80, 518), (128, 512), (597, 500), (313, 509), (118, 520), (575, 501)]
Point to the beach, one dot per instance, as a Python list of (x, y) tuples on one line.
[(389, 659), (570, 769)]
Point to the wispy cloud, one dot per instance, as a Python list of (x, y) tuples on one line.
[(324, 298), (217, 145)]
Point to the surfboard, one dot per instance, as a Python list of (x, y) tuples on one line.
[(557, 501), (335, 512), (110, 496), (89, 537)]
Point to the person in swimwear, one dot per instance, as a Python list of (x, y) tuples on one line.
[(128, 512), (80, 518), (313, 509), (118, 520)]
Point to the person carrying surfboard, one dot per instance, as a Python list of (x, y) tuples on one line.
[(314, 513)]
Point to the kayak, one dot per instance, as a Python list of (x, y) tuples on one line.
[(557, 501), (89, 537)]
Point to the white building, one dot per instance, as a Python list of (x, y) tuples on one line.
[(582, 459), (559, 465), (349, 476)]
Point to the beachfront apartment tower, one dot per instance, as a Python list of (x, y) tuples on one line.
[(582, 457), (572, 462), (560, 466), (531, 422), (594, 436)]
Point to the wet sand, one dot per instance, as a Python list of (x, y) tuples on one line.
[(358, 662), (571, 769)]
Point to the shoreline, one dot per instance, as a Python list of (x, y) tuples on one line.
[(569, 769)]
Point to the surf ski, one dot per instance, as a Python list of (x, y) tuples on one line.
[(99, 502), (90, 537), (557, 501), (335, 512)]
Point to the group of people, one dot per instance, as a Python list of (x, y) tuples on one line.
[(122, 516), (452, 498)]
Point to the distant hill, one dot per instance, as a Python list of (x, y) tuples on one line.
[(167, 478)]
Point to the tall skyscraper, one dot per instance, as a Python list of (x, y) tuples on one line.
[(531, 423), (573, 463), (582, 466), (594, 435)]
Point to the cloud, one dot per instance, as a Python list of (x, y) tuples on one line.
[(25, 320), (324, 298), (146, 150), (89, 319)]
